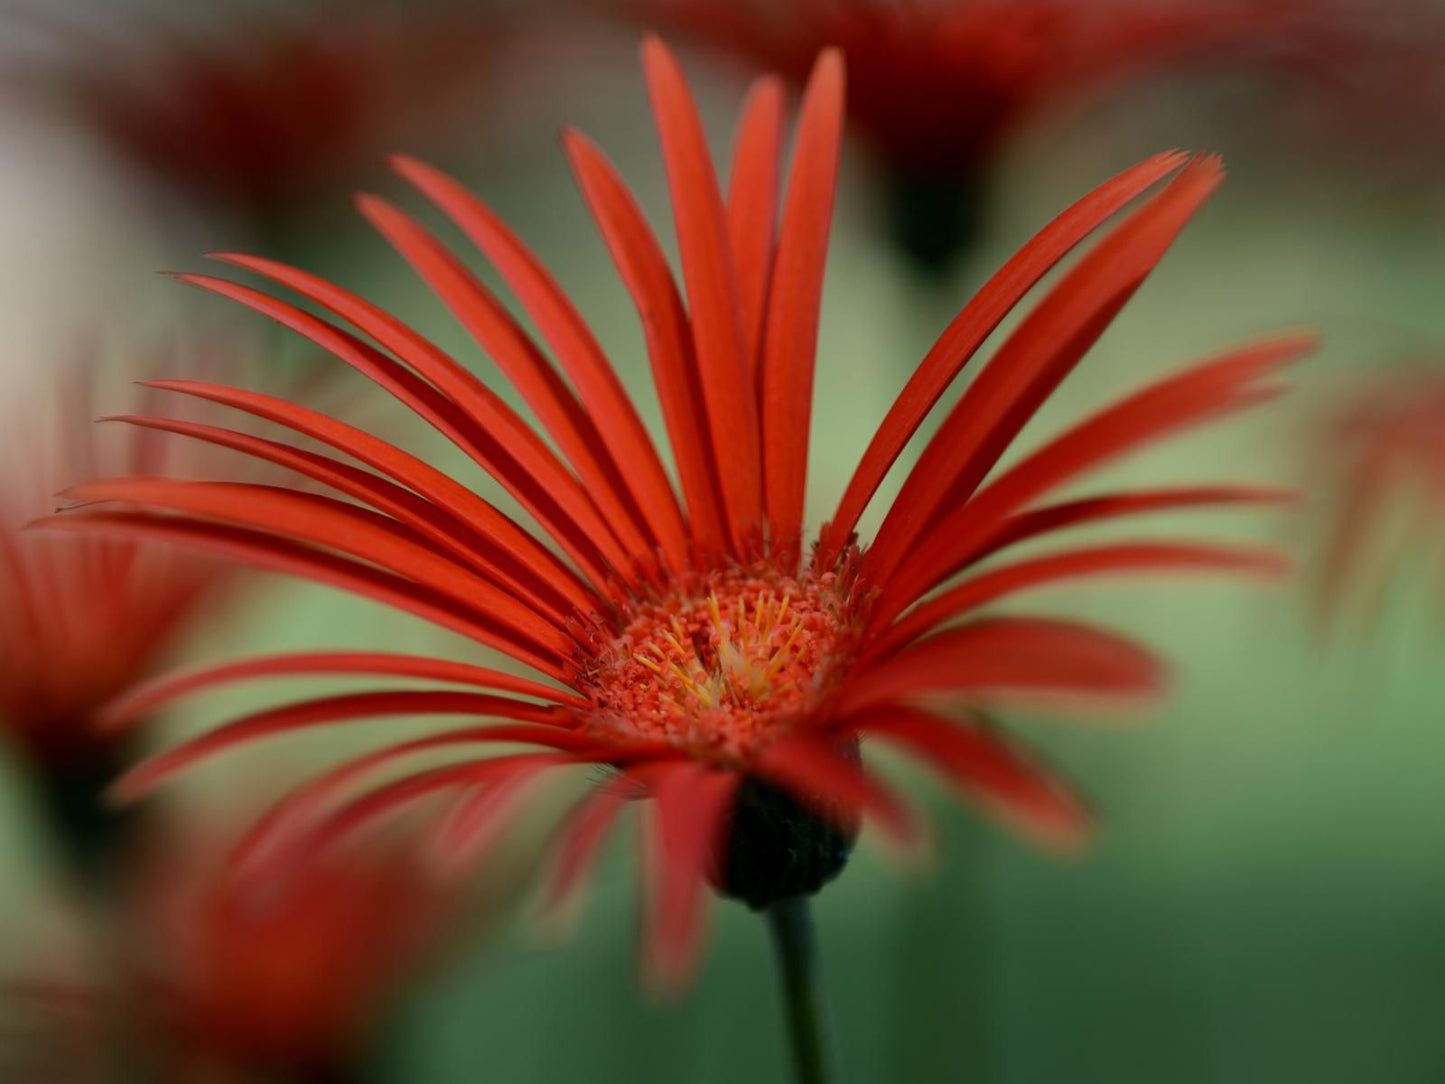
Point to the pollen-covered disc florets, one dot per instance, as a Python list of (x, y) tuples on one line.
[(723, 663)]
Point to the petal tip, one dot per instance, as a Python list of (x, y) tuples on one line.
[(42, 523), (123, 792), (410, 168), (658, 59), (831, 65)]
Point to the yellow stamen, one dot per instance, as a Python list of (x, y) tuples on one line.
[(784, 654)]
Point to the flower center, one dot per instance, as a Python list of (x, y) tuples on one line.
[(726, 662)]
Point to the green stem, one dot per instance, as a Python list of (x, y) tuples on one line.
[(791, 924)]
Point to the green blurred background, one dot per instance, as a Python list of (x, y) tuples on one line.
[(1264, 901)]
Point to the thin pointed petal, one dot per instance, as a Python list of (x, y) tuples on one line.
[(580, 841), (1211, 390), (688, 816), (531, 466), (1132, 558), (977, 321), (435, 524), (152, 773), (274, 554), (307, 518), (1010, 657), (791, 337), (419, 396), (487, 320), (1034, 359), (815, 773), (387, 799), (574, 346), (643, 267), (280, 837), (145, 699), (712, 293), (1047, 519), (406, 470), (752, 206), (480, 819), (988, 770)]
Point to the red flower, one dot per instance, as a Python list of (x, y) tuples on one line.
[(81, 619), (1382, 455), (268, 109), (285, 975), (695, 646), (1367, 75), (219, 971), (937, 87)]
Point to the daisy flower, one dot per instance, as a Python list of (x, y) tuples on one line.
[(286, 976), (221, 976), (720, 662), (260, 111), (82, 619), (1367, 74), (1380, 462)]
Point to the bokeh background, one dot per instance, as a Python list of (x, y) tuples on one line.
[(1264, 901)]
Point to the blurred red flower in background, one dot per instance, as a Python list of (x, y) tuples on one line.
[(221, 977), (288, 975), (936, 87), (82, 619), (1381, 455), (261, 109), (1368, 77), (724, 674)]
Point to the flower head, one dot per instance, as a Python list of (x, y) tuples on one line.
[(721, 668), (1382, 459), (936, 88), (284, 975), (1367, 75), (261, 111), (81, 619), (218, 972)]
